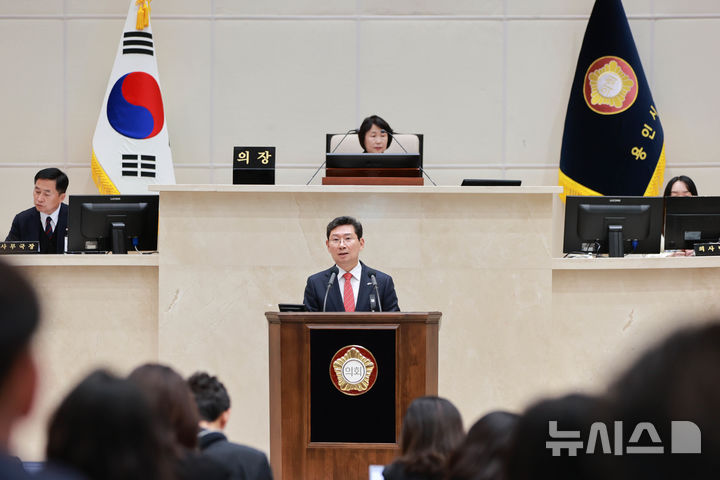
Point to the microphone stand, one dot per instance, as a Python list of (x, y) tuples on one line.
[(403, 148), (333, 151)]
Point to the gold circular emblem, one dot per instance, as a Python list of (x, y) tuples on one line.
[(353, 370), (610, 86)]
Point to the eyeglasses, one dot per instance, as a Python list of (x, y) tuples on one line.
[(336, 241)]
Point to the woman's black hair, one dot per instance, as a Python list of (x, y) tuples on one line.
[(105, 429), (432, 429), (367, 125), (681, 178)]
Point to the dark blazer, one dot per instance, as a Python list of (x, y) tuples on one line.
[(245, 463), (26, 227), (11, 468), (317, 285)]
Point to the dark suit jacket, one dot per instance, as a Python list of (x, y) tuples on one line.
[(245, 463), (11, 468), (317, 285), (26, 227)]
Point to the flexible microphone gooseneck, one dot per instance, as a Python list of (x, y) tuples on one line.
[(333, 274), (333, 151), (373, 280), (403, 148)]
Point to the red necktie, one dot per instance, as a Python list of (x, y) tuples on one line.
[(348, 297), (48, 227)]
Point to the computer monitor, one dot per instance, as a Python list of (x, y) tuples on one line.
[(101, 223), (691, 220), (616, 225), (373, 160)]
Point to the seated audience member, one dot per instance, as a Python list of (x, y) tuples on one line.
[(172, 403), (19, 318), (680, 186), (375, 135), (673, 383), (46, 222), (481, 455), (105, 430), (432, 429), (213, 404), (530, 455), (351, 290)]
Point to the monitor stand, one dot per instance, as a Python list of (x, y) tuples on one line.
[(118, 237), (615, 241)]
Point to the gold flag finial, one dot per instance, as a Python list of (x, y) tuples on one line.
[(143, 14)]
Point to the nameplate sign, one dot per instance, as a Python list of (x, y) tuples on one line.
[(707, 249), (19, 248), (253, 165)]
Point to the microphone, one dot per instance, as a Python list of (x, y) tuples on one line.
[(373, 280), (333, 151), (373, 303), (333, 274), (403, 148)]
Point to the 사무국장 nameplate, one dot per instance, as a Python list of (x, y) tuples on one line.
[(19, 248)]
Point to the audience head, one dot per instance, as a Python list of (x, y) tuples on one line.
[(19, 318), (172, 403), (680, 186), (212, 399), (674, 381), (481, 455), (529, 455), (105, 430), (431, 430), (375, 134), (50, 187)]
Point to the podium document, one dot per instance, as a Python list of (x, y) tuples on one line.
[(339, 386)]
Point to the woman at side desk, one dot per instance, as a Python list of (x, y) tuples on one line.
[(681, 186), (375, 135)]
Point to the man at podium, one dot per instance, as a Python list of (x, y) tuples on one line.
[(349, 285)]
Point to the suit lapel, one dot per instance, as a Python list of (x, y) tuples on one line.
[(60, 228), (335, 301), (363, 301)]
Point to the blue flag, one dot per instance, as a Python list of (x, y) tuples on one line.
[(613, 142)]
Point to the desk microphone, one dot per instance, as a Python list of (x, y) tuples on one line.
[(333, 151), (403, 148), (333, 274), (373, 280)]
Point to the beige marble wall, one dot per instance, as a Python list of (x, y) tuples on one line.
[(603, 318), (517, 323), (487, 82), (96, 313), (483, 259)]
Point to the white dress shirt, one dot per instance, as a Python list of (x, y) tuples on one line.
[(53, 218)]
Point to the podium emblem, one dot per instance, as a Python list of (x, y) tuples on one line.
[(353, 370)]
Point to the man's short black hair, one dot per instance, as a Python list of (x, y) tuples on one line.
[(61, 180), (210, 395), (19, 317), (336, 222)]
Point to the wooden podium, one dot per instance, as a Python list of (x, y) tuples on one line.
[(319, 431)]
